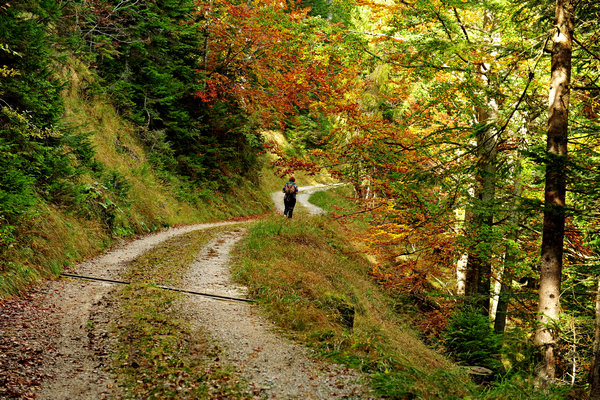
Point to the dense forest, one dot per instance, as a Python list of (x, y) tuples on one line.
[(468, 132)]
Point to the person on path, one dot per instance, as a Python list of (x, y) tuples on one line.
[(289, 199)]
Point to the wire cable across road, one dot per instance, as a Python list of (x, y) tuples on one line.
[(214, 296)]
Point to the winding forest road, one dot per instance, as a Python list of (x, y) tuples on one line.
[(78, 363)]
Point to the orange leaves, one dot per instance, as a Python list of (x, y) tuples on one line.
[(286, 164), (214, 86), (276, 61)]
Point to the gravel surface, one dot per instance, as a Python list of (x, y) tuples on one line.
[(275, 367), (78, 363), (304, 193)]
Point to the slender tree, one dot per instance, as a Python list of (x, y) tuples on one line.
[(555, 189), (595, 371), (510, 258)]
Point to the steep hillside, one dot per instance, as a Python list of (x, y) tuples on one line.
[(117, 194)]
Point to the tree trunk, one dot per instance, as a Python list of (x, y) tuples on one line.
[(479, 263), (480, 219), (595, 370), (461, 275), (554, 196), (488, 193), (509, 257)]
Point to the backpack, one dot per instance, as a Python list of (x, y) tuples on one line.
[(290, 190)]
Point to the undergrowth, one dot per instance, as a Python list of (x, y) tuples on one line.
[(309, 278), (158, 354), (311, 282)]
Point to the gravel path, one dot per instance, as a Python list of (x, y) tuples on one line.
[(302, 197), (275, 367), (79, 360)]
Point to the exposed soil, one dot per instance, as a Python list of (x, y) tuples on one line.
[(55, 344)]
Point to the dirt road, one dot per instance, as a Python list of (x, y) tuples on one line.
[(72, 344)]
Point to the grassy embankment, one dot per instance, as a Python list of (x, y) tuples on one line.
[(125, 196), (310, 280)]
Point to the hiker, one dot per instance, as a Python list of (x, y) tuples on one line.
[(289, 200)]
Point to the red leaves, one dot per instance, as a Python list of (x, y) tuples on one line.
[(271, 62)]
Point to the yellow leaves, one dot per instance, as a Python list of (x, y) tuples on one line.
[(28, 128), (396, 237), (6, 72)]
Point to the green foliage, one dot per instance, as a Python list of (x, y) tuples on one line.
[(306, 132), (470, 339), (523, 387), (33, 153), (152, 76), (412, 383), (32, 87), (16, 190), (335, 10), (520, 355)]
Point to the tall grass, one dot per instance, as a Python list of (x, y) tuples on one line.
[(308, 278)]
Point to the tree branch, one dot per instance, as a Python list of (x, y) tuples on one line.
[(412, 66), (462, 26), (586, 49), (380, 35)]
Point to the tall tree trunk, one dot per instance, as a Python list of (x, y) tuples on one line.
[(480, 219), (554, 196), (480, 222), (486, 217), (479, 263), (509, 257), (595, 370)]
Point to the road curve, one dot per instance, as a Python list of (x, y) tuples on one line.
[(302, 197)]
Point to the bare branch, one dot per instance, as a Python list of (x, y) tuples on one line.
[(400, 39)]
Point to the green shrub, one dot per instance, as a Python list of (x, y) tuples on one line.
[(471, 341)]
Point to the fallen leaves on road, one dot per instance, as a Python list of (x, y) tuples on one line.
[(24, 347)]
